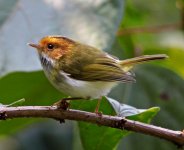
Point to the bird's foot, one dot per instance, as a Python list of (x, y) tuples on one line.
[(62, 104)]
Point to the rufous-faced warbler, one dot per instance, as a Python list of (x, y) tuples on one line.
[(84, 71)]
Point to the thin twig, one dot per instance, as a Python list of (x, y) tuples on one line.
[(150, 29), (176, 137)]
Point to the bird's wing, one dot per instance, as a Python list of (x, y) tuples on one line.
[(103, 68)]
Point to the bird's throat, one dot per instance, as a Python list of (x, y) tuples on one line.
[(46, 61)]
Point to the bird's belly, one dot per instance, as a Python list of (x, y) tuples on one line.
[(84, 89)]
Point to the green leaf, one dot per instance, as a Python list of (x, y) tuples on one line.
[(146, 115), (124, 110), (96, 137), (34, 87)]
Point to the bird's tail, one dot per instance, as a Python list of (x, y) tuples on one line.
[(127, 64)]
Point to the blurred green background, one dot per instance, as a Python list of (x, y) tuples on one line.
[(123, 28)]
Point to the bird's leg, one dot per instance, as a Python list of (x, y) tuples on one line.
[(98, 106), (63, 104)]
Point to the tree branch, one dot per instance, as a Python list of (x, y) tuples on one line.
[(176, 137)]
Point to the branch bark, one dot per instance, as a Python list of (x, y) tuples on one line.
[(176, 137)]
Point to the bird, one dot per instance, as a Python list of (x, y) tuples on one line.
[(83, 71)]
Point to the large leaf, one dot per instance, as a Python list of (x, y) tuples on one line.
[(91, 22), (96, 137)]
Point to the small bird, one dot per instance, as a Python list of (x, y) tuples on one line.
[(82, 71)]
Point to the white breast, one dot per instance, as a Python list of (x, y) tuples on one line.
[(85, 89)]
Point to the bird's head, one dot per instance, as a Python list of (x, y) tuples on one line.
[(54, 47)]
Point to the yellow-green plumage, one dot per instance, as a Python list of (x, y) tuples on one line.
[(90, 64)]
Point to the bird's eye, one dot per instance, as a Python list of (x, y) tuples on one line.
[(50, 46)]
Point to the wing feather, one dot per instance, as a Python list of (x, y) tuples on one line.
[(103, 69)]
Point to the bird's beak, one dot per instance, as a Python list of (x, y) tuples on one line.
[(34, 45)]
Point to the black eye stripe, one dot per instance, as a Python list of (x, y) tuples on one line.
[(50, 46)]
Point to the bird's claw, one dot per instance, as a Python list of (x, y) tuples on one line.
[(62, 104)]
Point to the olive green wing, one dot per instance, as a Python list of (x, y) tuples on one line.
[(103, 68)]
